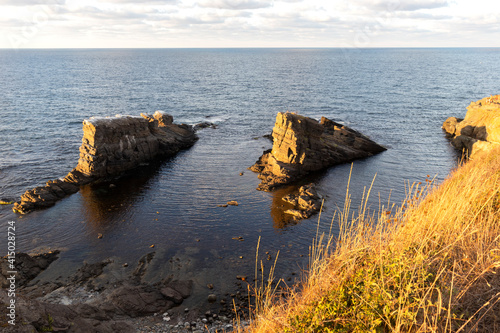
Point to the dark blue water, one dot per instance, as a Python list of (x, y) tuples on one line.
[(398, 97)]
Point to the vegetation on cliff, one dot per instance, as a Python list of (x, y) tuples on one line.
[(431, 265)]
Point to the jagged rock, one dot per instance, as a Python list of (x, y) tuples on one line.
[(479, 130), (204, 124), (302, 145), (306, 201), (111, 147), (27, 267)]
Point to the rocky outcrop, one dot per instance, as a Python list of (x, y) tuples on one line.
[(302, 145), (111, 147), (306, 202), (479, 130)]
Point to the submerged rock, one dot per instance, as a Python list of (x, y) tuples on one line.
[(302, 145), (204, 124), (479, 130), (110, 148)]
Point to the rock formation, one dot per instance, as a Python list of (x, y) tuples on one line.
[(306, 202), (479, 130), (302, 145), (111, 147)]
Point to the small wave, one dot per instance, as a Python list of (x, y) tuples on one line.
[(6, 167), (216, 119)]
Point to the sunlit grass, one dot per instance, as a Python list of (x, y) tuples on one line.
[(430, 265)]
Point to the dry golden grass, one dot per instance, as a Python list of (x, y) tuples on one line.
[(431, 265)]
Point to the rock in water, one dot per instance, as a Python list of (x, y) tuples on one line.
[(302, 145), (307, 202), (479, 130), (111, 147)]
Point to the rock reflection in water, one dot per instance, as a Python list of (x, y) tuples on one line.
[(105, 203), (278, 207)]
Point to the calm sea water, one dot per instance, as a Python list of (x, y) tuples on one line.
[(398, 97)]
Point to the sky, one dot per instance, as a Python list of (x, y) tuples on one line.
[(248, 23)]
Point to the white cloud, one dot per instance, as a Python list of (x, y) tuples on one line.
[(235, 4), (146, 2), (249, 23), (402, 5), (31, 2)]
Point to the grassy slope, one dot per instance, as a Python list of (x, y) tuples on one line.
[(431, 266)]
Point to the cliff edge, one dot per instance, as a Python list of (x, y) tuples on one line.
[(479, 130)]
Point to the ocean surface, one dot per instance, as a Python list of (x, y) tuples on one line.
[(398, 97)]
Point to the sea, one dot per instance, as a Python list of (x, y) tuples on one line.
[(399, 97)]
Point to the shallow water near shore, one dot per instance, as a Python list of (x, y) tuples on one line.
[(398, 97)]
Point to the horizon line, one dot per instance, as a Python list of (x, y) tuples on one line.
[(251, 47)]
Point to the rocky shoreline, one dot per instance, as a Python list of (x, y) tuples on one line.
[(87, 301), (95, 298)]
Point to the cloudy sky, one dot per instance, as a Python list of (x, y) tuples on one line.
[(248, 23)]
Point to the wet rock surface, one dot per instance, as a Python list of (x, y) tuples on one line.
[(479, 130), (302, 145), (110, 148)]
